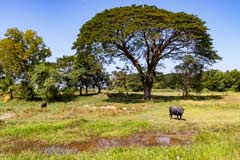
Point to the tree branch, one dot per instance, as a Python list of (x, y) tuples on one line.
[(148, 48), (161, 47), (131, 58)]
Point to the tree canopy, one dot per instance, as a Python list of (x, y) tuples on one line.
[(144, 35)]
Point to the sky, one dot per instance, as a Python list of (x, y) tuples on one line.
[(59, 21)]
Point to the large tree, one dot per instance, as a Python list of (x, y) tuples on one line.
[(19, 53), (144, 35)]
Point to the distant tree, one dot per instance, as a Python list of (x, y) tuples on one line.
[(19, 53), (144, 35), (213, 80), (121, 82), (87, 71), (191, 72), (65, 67), (160, 81), (232, 80), (216, 80), (100, 79), (135, 83), (172, 81)]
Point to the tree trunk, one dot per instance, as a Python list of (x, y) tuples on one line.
[(185, 92), (86, 89), (99, 89), (31, 93), (148, 89), (11, 93), (127, 99), (80, 91)]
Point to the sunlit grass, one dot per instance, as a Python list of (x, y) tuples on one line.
[(213, 118)]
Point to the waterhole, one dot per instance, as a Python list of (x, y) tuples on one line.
[(143, 139)]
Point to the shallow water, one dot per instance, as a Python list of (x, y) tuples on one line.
[(143, 139)]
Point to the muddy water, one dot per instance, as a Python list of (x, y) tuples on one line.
[(143, 139)]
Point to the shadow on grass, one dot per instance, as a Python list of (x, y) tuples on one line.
[(71, 97), (175, 118), (138, 98), (59, 98)]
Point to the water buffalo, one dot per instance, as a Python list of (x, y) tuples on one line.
[(44, 104), (175, 110)]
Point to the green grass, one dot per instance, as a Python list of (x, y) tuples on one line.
[(212, 118)]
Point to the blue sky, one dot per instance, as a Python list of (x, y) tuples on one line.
[(58, 22)]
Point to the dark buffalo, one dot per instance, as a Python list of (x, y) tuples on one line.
[(44, 104), (174, 110)]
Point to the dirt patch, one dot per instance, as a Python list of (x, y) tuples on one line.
[(101, 110), (99, 107), (6, 116), (30, 112)]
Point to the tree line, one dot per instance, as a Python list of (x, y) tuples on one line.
[(25, 73), (210, 80), (141, 36)]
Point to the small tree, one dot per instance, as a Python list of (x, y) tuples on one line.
[(100, 79), (65, 66), (121, 82), (87, 70), (190, 71), (46, 81)]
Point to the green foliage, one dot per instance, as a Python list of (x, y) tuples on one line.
[(135, 82), (5, 84), (46, 81), (232, 80), (19, 53), (168, 81), (88, 71), (213, 80), (120, 81), (65, 66), (23, 91), (125, 82), (216, 80), (190, 73)]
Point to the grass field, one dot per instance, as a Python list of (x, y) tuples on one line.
[(211, 123)]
